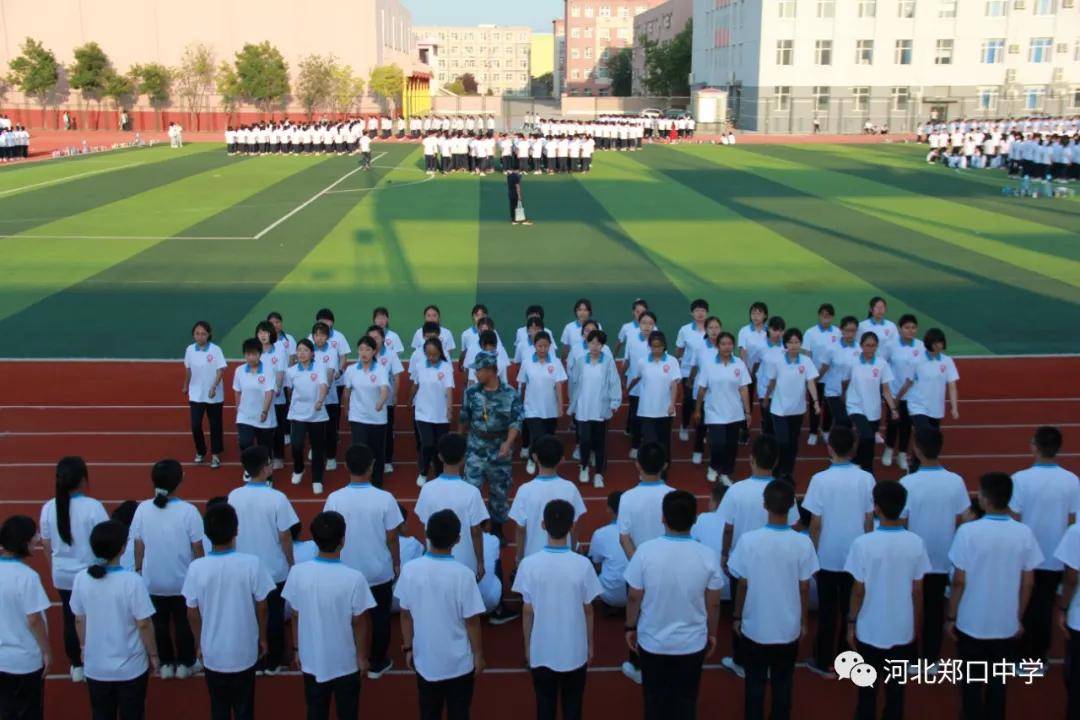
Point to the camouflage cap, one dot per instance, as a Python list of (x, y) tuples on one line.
[(485, 360)]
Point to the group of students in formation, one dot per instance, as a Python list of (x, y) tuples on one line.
[(14, 141), (1038, 148), (457, 152)]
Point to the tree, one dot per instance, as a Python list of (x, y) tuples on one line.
[(195, 77), (154, 80), (543, 86), (387, 81), (619, 66), (346, 90), (468, 81), (667, 64), (228, 87), (262, 75), (315, 82), (118, 88), (455, 87), (35, 72), (89, 73)]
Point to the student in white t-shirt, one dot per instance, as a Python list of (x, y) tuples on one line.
[(389, 349), (276, 360), (329, 600), (25, 654), (751, 338), (819, 341), (308, 384), (254, 385), (866, 381), (167, 533), (994, 560), (450, 492), (774, 565), (441, 609), (527, 509), (340, 346), (572, 331), (877, 323), (112, 613), (204, 367), (542, 380), (329, 355), (903, 359), (673, 610), (266, 517), (722, 382), (637, 349), (372, 520), (790, 376), (609, 558), (1046, 498), (66, 522), (841, 504), (689, 342), (432, 398), (640, 518), (1068, 614), (366, 394), (937, 503), (596, 394), (888, 566), (655, 377), (225, 593), (409, 548), (558, 587), (935, 376)]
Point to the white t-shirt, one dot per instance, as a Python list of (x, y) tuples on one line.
[(491, 587), (935, 497), (527, 509), (264, 513), (1044, 496), (641, 511), (674, 572), (305, 381), (820, 342), (558, 584), (327, 594), (654, 387), (597, 390), (743, 507), (432, 382), (276, 360), (933, 373), (445, 336), (723, 401), (773, 561), (993, 552), (450, 492), (21, 595), (789, 394), (370, 513), (225, 587), (902, 361), (251, 386), (1068, 552), (886, 332), (887, 561), (750, 339), (841, 356), (328, 357), (392, 342), (365, 386), (538, 380), (167, 535), (204, 364), (841, 496), (392, 364), (606, 551), (571, 333), (113, 606), (691, 341), (68, 560), (865, 380), (440, 594)]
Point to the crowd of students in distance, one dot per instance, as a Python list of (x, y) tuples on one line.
[(1037, 148), (14, 141)]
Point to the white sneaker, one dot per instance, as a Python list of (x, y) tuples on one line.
[(633, 453), (331, 464), (631, 672), (684, 435), (576, 455), (524, 454), (196, 668), (598, 481), (288, 439), (812, 439), (878, 440), (420, 480), (696, 458), (825, 437), (387, 468), (167, 672), (725, 481), (215, 462), (279, 463), (198, 459), (711, 475), (729, 664), (886, 457), (583, 476), (77, 674), (901, 461), (182, 672), (309, 454), (316, 488), (297, 478)]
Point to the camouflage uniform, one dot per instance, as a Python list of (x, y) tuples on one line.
[(490, 415)]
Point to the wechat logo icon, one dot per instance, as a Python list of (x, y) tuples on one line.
[(851, 666)]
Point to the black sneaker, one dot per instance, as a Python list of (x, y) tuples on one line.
[(374, 673), (501, 616)]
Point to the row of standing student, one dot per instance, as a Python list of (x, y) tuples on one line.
[(1005, 574)]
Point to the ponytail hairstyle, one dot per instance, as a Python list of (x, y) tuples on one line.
[(16, 534), (71, 473), (166, 477), (107, 540)]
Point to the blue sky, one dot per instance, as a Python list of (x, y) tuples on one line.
[(537, 14)]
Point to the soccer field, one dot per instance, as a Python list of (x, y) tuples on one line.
[(115, 255)]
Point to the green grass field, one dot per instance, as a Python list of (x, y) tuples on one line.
[(116, 255)]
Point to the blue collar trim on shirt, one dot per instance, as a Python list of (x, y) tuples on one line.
[(641, 336), (907, 343), (221, 552), (677, 538), (433, 556), (929, 468), (323, 348), (382, 350), (762, 478), (864, 361), (258, 369), (547, 477), (778, 527), (845, 463), (310, 366), (1046, 465), (10, 559), (557, 548), (360, 485), (932, 356), (259, 484), (769, 343), (1000, 517), (720, 359), (536, 359), (822, 328), (77, 495), (328, 561), (589, 360), (635, 324), (650, 483), (474, 330), (448, 477), (889, 528), (113, 568), (658, 360), (789, 361), (428, 363), (844, 343), (877, 322), (201, 349)]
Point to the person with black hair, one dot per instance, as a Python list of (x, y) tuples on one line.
[(761, 357), (470, 337), (558, 587), (609, 558), (877, 323), (168, 533), (266, 517), (1046, 498), (723, 403), (432, 397), (628, 329), (125, 513), (432, 314), (791, 376), (774, 566), (225, 593), (489, 343), (441, 609), (937, 504), (656, 377), (66, 522), (902, 361), (523, 335), (366, 394), (935, 376), (254, 385), (673, 611), (329, 356), (841, 506), (751, 337), (284, 340), (834, 369), (308, 384), (204, 368), (531, 499), (113, 616), (994, 560), (688, 343), (372, 521), (276, 359), (819, 341), (866, 381), (637, 351), (380, 316), (409, 548), (574, 331), (329, 601), (541, 380), (391, 363), (26, 657), (595, 398), (888, 566)]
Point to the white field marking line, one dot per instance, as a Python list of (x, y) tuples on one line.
[(380, 188), (57, 181), (21, 236), (310, 200)]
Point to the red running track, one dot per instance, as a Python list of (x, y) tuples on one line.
[(123, 416)]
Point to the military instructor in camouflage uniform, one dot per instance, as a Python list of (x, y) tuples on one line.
[(491, 417)]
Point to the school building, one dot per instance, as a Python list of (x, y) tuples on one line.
[(362, 34), (558, 74), (786, 63), (499, 57), (594, 28), (660, 24)]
